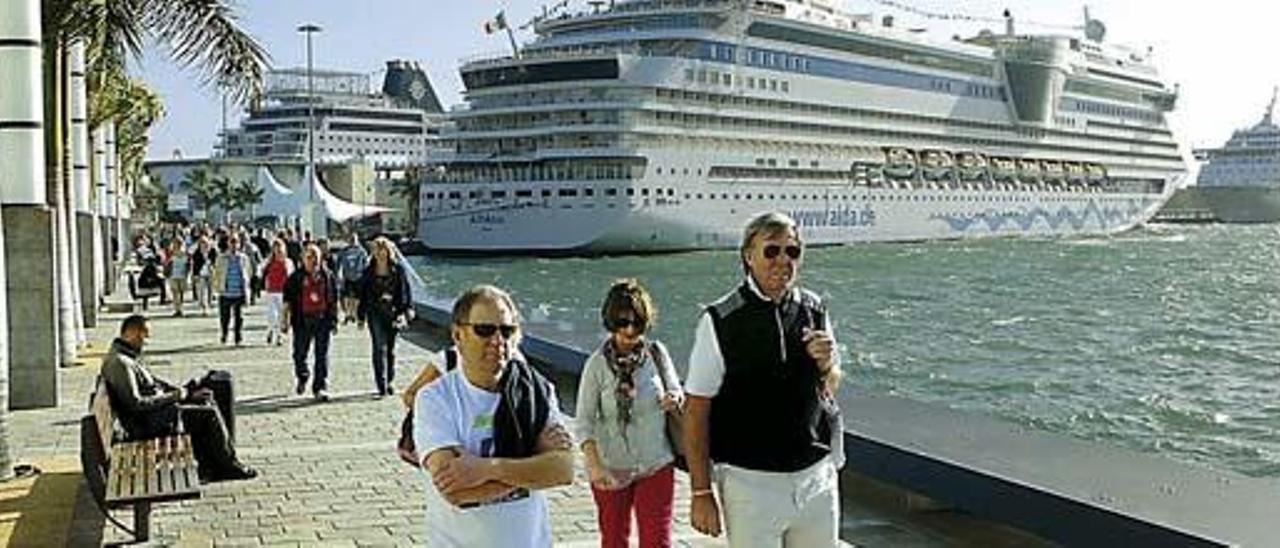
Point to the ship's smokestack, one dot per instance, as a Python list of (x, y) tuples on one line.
[(407, 85)]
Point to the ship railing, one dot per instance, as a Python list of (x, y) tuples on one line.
[(480, 61)]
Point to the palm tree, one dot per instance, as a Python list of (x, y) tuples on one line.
[(199, 33), (249, 194), (407, 189), (203, 187)]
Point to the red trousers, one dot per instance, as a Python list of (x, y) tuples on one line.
[(651, 497)]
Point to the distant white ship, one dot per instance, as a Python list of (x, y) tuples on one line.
[(1240, 182), (662, 125)]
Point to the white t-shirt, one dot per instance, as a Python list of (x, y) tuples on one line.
[(451, 412)]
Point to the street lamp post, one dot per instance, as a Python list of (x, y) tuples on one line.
[(309, 29)]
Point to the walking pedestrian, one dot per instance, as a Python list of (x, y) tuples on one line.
[(231, 281), (352, 262), (489, 434), (202, 259), (627, 388), (275, 272), (177, 269), (384, 301), (761, 374), (311, 298)]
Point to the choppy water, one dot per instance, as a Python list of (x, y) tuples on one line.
[(1165, 340)]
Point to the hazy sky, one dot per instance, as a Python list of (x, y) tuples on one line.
[(1221, 53)]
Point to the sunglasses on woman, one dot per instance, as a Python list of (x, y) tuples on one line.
[(771, 251), (488, 330), (618, 324)]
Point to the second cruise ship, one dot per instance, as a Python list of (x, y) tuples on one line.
[(664, 125), (1240, 182)]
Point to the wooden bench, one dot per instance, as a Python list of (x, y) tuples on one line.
[(134, 474)]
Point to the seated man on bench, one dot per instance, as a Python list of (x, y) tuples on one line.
[(149, 407)]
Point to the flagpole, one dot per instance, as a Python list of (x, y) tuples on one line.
[(515, 51)]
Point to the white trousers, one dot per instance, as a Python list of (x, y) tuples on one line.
[(275, 309), (780, 509)]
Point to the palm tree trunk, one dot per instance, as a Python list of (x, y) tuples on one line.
[(79, 197), (56, 137), (99, 189)]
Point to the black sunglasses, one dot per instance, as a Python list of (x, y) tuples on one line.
[(771, 251), (617, 324), (487, 330)]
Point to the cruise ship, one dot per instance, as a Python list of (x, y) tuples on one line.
[(664, 125), (1240, 183), (396, 127)]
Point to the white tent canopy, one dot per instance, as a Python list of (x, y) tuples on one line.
[(283, 202)]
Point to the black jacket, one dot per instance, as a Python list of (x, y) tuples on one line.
[(293, 297), (401, 295)]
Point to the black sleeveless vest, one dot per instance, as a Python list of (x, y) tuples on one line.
[(767, 414)]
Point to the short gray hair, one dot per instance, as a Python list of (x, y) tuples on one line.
[(772, 223), (484, 292)]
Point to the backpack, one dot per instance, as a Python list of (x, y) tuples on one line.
[(405, 447)]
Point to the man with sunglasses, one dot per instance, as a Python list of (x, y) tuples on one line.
[(489, 433), (761, 374)]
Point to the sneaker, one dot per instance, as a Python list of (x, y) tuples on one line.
[(389, 391), (269, 334), (322, 395), (301, 387)]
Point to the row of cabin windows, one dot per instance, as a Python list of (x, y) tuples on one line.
[(715, 77), (645, 192)]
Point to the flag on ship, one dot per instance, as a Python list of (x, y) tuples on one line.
[(498, 23)]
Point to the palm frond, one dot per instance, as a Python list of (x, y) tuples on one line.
[(205, 34)]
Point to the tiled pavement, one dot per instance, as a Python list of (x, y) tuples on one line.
[(329, 476)]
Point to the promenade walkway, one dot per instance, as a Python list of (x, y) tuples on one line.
[(328, 477)]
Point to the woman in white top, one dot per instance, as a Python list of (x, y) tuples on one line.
[(626, 391)]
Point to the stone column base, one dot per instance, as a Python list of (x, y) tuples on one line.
[(33, 308), (88, 284)]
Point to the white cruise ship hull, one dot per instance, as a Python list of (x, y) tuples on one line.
[(836, 217), (1243, 204)]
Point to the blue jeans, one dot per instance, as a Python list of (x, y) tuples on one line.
[(383, 334), (307, 330)]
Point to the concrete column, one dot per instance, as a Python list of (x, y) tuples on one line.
[(78, 206), (30, 312)]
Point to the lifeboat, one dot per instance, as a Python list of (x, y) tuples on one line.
[(937, 165), (973, 166), (1028, 170), (1003, 169), (1052, 171), (1076, 173), (900, 163), (1097, 174)]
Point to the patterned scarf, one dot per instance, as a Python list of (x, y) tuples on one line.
[(624, 367)]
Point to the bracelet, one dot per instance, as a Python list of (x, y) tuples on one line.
[(702, 492)]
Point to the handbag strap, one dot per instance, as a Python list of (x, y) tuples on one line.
[(665, 371)]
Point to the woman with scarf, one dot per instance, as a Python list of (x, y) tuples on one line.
[(627, 389)]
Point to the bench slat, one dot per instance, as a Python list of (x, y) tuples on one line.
[(153, 470)]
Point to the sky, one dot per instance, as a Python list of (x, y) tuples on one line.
[(1221, 54)]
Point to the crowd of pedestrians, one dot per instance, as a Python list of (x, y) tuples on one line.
[(754, 423)]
